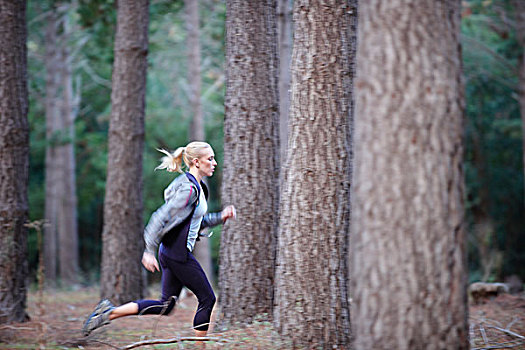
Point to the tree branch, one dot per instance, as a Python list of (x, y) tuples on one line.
[(169, 341), (507, 331), (504, 62)]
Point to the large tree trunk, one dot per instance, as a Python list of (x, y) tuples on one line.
[(14, 161), (251, 160), (61, 234), (121, 279), (202, 249), (408, 247), (284, 32), (311, 297)]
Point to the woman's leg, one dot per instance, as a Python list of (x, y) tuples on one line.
[(105, 311), (124, 310), (99, 317), (171, 288), (192, 276)]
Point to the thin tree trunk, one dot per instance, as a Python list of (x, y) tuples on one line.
[(202, 249), (408, 246), (483, 228), (121, 279), (52, 178), (67, 214), (14, 161), (311, 296), (61, 234), (251, 160), (284, 30), (519, 7), (194, 69)]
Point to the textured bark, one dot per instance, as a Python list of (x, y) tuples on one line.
[(52, 175), (284, 32), (121, 279), (194, 69), (311, 296), (202, 248), (61, 234), (67, 218), (14, 161), (408, 247), (251, 160)]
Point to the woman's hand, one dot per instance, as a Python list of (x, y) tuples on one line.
[(228, 212), (150, 262)]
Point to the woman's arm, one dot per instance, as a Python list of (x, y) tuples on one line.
[(154, 231), (214, 219)]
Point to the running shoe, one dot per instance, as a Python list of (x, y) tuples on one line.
[(99, 317)]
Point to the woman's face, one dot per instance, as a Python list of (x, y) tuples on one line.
[(206, 163)]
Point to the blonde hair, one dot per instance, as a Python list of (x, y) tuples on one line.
[(173, 161)]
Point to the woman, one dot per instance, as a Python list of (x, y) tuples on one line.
[(176, 226)]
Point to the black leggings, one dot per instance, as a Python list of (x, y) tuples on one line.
[(175, 275)]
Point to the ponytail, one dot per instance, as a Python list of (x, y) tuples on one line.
[(172, 162)]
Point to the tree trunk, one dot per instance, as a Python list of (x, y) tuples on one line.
[(311, 297), (202, 249), (251, 160), (284, 30), (194, 69), (408, 247), (14, 161), (121, 279), (519, 8), (52, 177), (61, 234), (483, 227), (67, 211)]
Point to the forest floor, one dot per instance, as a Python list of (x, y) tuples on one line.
[(56, 323)]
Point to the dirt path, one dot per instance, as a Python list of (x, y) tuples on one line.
[(57, 325), (60, 321)]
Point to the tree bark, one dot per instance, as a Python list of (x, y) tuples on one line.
[(251, 160), (61, 234), (519, 8), (311, 296), (121, 279), (67, 218), (202, 249), (52, 176), (408, 246), (284, 30), (14, 161), (194, 69)]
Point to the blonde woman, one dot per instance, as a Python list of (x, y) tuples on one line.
[(175, 226)]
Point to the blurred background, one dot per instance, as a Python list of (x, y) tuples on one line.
[(494, 141)]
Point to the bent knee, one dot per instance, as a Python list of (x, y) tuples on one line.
[(209, 301), (168, 306)]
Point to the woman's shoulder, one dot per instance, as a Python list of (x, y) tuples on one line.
[(180, 183)]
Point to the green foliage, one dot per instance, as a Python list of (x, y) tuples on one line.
[(167, 106), (493, 125), (493, 157)]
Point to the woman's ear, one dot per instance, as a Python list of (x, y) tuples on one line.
[(196, 162)]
